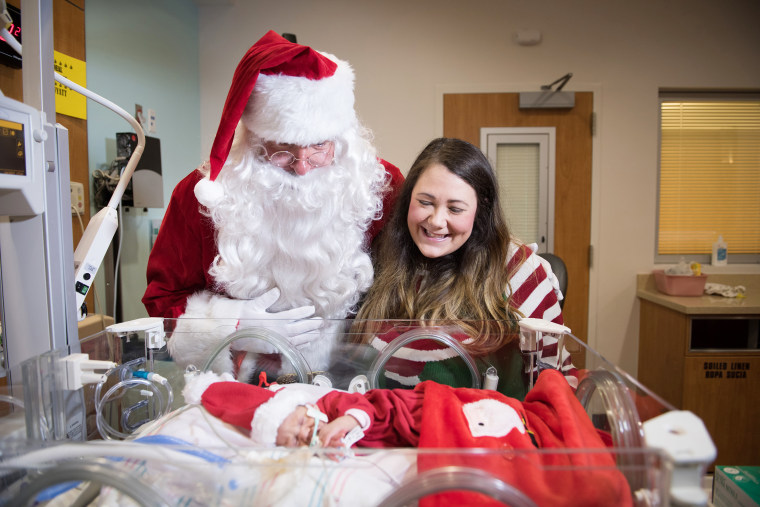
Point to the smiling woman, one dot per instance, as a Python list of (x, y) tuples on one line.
[(447, 255), (441, 212)]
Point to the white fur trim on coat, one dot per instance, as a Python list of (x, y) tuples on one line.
[(199, 331)]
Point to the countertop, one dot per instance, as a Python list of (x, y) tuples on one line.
[(706, 304)]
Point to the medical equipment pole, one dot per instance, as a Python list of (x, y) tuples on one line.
[(36, 252)]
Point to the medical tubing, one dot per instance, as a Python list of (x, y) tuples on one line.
[(155, 426), (155, 377), (101, 449), (170, 394), (122, 370), (128, 412), (456, 478), (103, 473), (431, 333), (105, 430), (87, 496), (119, 221), (136, 154), (291, 353)]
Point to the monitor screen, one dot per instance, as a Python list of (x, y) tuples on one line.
[(21, 159), (12, 148)]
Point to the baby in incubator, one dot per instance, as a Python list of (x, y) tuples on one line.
[(437, 416), (430, 415), (302, 427), (294, 417)]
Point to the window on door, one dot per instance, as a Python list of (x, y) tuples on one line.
[(709, 177), (523, 159)]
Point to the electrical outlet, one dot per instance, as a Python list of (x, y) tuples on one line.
[(77, 198)]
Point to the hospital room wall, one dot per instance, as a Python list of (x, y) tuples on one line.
[(406, 54), (142, 52)]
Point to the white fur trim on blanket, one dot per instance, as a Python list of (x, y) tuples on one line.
[(196, 385)]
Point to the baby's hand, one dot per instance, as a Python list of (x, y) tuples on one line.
[(331, 433)]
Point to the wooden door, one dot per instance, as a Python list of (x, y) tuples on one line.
[(463, 116)]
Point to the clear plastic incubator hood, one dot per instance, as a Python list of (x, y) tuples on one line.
[(111, 425)]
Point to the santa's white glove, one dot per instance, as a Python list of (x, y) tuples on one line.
[(294, 325)]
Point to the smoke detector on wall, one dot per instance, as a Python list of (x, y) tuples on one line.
[(528, 37)]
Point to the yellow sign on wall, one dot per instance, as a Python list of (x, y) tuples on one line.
[(67, 101)]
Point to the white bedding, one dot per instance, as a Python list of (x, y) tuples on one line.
[(235, 472)]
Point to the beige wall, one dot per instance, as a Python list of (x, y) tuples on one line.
[(406, 53)]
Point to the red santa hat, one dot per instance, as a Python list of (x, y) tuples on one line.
[(254, 408), (283, 92)]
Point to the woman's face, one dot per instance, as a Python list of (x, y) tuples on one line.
[(441, 212)]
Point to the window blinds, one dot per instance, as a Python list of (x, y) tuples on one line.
[(709, 176), (518, 173)]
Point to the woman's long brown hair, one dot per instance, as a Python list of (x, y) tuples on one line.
[(469, 286)]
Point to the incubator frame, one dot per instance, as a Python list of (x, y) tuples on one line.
[(37, 439)]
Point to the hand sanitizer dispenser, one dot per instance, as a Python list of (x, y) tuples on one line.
[(720, 252)]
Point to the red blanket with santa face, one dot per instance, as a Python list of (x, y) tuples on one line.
[(526, 435)]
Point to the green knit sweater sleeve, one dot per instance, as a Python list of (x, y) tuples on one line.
[(507, 361)]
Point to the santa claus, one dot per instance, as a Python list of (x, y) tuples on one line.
[(274, 230)]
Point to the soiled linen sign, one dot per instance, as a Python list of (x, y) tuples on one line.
[(67, 101)]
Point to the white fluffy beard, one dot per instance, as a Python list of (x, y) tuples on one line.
[(301, 234)]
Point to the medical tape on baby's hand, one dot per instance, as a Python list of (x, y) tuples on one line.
[(348, 440), (352, 436), (313, 412)]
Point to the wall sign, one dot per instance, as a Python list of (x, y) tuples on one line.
[(67, 101), (726, 369)]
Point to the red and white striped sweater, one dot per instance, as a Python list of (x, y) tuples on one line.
[(535, 293)]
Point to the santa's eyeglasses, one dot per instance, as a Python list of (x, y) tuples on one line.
[(322, 155)]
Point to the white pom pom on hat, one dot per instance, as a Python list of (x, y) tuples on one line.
[(209, 193), (196, 385)]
